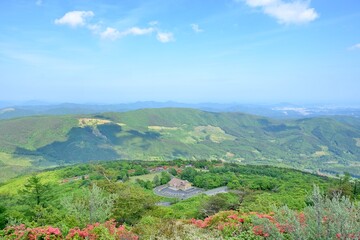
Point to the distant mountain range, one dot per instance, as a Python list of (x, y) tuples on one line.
[(284, 110), (331, 144)]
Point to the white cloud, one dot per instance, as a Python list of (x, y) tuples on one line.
[(138, 31), (294, 12), (75, 18), (113, 34), (110, 33), (196, 28), (39, 2), (355, 47), (165, 37), (260, 3), (94, 28), (79, 18)]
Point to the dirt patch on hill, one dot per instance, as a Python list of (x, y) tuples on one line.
[(357, 141)]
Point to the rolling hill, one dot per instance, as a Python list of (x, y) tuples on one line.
[(279, 111), (328, 144)]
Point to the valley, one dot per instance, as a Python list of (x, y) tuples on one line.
[(326, 145)]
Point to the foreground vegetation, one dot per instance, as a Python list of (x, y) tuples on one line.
[(103, 201)]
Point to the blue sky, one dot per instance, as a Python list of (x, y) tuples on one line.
[(246, 51)]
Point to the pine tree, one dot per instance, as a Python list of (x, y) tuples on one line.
[(35, 193)]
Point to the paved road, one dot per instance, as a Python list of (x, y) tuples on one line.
[(217, 190)]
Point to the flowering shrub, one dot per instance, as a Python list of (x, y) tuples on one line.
[(336, 218), (230, 223), (22, 232), (107, 230), (202, 223)]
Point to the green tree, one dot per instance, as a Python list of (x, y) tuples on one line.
[(35, 193), (344, 187), (165, 177), (234, 184), (156, 180), (3, 217), (139, 170), (172, 171), (202, 164), (90, 206), (131, 203), (145, 184), (189, 174), (356, 190), (219, 202), (123, 176), (149, 185)]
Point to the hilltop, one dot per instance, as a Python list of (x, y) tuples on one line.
[(331, 144)]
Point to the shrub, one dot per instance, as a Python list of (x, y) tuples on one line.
[(324, 218), (105, 231), (336, 218), (22, 232)]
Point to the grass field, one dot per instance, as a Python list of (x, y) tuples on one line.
[(146, 177), (12, 165), (14, 185)]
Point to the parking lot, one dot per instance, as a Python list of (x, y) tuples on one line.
[(165, 191)]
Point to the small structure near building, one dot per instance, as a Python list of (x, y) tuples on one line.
[(178, 184)]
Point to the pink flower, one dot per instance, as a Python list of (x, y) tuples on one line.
[(54, 231)]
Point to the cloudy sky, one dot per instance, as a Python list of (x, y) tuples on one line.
[(112, 51)]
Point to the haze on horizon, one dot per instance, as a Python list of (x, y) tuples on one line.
[(187, 51)]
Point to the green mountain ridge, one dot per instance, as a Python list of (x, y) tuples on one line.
[(330, 144)]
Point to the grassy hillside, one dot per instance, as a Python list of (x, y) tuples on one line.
[(328, 144), (32, 133)]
